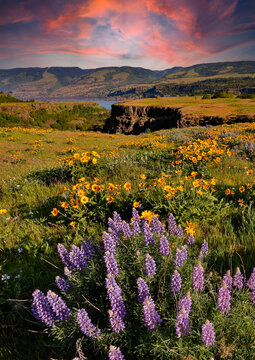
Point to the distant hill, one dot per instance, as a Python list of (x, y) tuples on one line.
[(126, 82)]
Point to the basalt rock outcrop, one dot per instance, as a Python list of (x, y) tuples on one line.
[(131, 119), (137, 119)]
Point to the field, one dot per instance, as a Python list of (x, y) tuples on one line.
[(61, 186), (195, 105)]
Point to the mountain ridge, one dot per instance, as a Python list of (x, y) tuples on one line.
[(120, 82)]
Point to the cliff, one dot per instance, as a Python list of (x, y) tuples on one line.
[(135, 117)]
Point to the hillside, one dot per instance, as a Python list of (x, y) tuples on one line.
[(62, 116), (126, 82)]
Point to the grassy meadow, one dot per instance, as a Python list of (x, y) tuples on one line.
[(60, 186)]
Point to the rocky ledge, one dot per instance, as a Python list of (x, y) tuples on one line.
[(136, 119)]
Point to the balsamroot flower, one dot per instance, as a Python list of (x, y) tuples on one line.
[(86, 325), (224, 299), (151, 317), (111, 263), (164, 246), (115, 353), (208, 334), (172, 225), (238, 279), (143, 289), (41, 308), (251, 282), (150, 266), (182, 324), (62, 284), (58, 306), (228, 280), (198, 277), (176, 283)]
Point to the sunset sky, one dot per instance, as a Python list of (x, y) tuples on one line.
[(155, 34)]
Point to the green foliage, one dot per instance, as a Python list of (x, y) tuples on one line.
[(222, 94)]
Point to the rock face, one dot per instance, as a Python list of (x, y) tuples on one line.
[(131, 119), (137, 119)]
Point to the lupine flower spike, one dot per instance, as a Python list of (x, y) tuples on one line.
[(208, 334)]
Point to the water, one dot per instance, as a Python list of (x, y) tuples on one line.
[(105, 103)]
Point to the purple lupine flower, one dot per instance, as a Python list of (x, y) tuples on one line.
[(115, 353), (185, 303), (143, 289), (179, 231), (176, 283), (238, 279), (64, 256), (113, 230), (151, 317), (204, 248), (58, 306), (114, 293), (117, 220), (191, 239), (184, 252), (87, 248), (228, 280), (109, 242), (182, 324), (208, 334), (251, 282), (62, 284), (126, 230), (172, 225), (156, 225), (77, 258), (180, 256), (150, 266), (41, 308), (86, 325), (116, 321), (148, 235), (198, 277), (111, 263), (224, 299), (135, 222), (164, 246), (67, 272), (252, 298)]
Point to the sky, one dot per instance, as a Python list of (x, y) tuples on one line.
[(154, 34)]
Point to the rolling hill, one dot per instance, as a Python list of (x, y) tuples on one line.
[(126, 82)]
